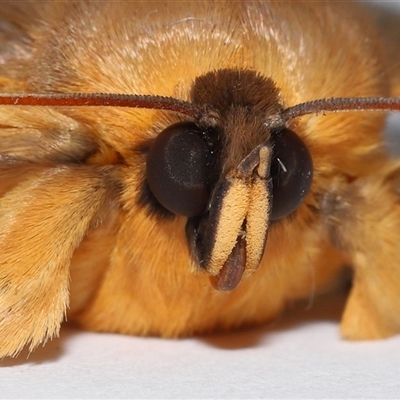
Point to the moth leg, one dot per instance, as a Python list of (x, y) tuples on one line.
[(43, 219), (365, 222)]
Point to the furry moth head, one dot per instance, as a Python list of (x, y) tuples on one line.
[(232, 169)]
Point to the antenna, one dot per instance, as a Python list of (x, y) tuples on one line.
[(338, 104), (100, 100)]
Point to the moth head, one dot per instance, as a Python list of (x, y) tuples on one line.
[(229, 173), (232, 166)]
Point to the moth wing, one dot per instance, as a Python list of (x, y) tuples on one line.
[(43, 219)]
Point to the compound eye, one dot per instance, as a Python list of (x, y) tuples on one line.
[(177, 169), (291, 172)]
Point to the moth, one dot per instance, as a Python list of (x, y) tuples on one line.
[(166, 170)]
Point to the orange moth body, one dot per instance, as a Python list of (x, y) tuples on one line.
[(81, 236)]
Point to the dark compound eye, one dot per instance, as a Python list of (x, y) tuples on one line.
[(178, 169), (291, 171)]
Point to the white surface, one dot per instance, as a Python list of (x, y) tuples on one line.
[(302, 356)]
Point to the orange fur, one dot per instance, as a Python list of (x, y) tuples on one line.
[(131, 272)]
